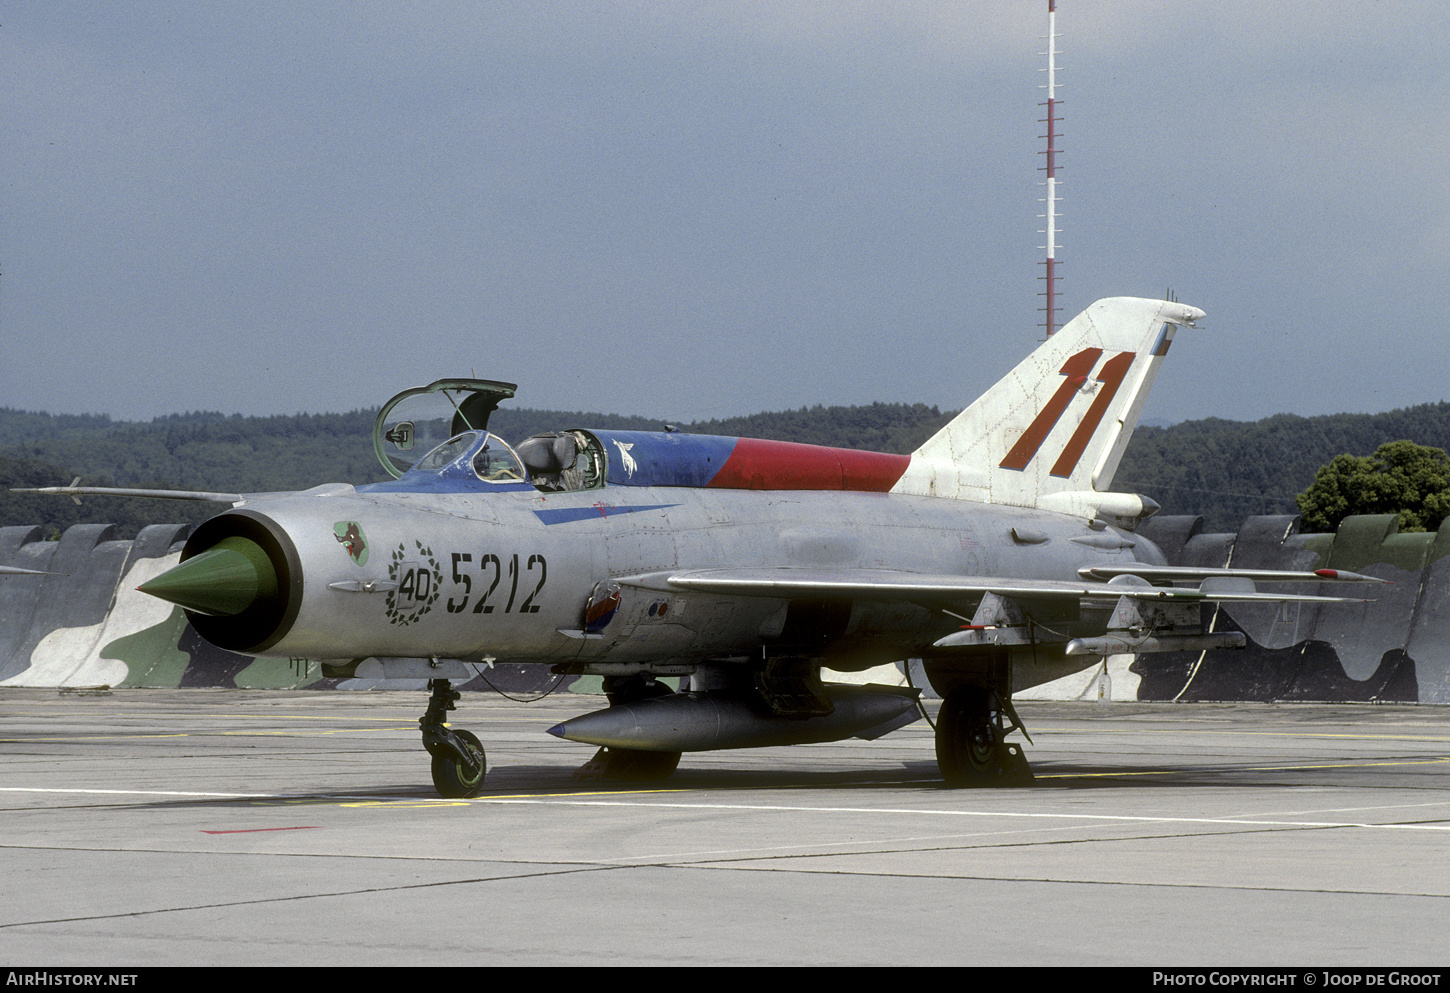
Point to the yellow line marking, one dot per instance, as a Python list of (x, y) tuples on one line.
[(1395, 736), (98, 737), (1221, 769), (308, 734), (43, 789), (192, 716), (203, 733)]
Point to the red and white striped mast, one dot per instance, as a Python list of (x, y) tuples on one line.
[(1050, 273)]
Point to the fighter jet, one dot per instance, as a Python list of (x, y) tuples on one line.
[(995, 553)]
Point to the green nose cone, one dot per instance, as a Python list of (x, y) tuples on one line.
[(224, 580)]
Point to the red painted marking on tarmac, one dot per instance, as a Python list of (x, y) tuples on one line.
[(300, 827)]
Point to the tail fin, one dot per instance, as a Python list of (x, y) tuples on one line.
[(1051, 433)]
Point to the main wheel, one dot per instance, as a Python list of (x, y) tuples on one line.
[(969, 747), (451, 776)]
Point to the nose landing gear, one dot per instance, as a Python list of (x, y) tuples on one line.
[(459, 763)]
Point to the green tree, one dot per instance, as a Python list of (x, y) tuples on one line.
[(1401, 477)]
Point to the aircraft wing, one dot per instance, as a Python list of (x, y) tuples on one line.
[(885, 584), (76, 492)]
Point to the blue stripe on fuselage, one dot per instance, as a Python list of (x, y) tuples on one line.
[(657, 458), (569, 514)]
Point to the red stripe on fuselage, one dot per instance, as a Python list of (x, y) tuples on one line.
[(787, 465)]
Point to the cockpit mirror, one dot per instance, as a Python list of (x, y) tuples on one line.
[(401, 436)]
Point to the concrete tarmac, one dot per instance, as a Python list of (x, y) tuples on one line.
[(215, 827)]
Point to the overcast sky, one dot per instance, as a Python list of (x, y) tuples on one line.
[(702, 209)]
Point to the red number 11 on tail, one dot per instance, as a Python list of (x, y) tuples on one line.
[(1076, 370)]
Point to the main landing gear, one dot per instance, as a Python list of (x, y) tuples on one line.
[(459, 764), (970, 747)]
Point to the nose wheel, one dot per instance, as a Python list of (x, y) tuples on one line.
[(459, 763), (460, 775)]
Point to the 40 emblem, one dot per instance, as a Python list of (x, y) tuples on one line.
[(420, 581)]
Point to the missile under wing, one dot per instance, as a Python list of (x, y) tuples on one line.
[(995, 553)]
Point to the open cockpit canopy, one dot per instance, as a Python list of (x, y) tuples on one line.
[(421, 419)]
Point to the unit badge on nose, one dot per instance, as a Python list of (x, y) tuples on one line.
[(350, 535)]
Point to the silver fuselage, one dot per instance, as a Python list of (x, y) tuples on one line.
[(505, 576)]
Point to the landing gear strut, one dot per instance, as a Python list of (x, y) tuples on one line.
[(970, 749), (459, 764)]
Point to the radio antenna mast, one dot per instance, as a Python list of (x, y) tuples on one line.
[(1049, 322)]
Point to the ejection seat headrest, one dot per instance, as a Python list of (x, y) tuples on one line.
[(548, 454)]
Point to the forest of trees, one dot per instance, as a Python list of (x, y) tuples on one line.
[(1224, 470)]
